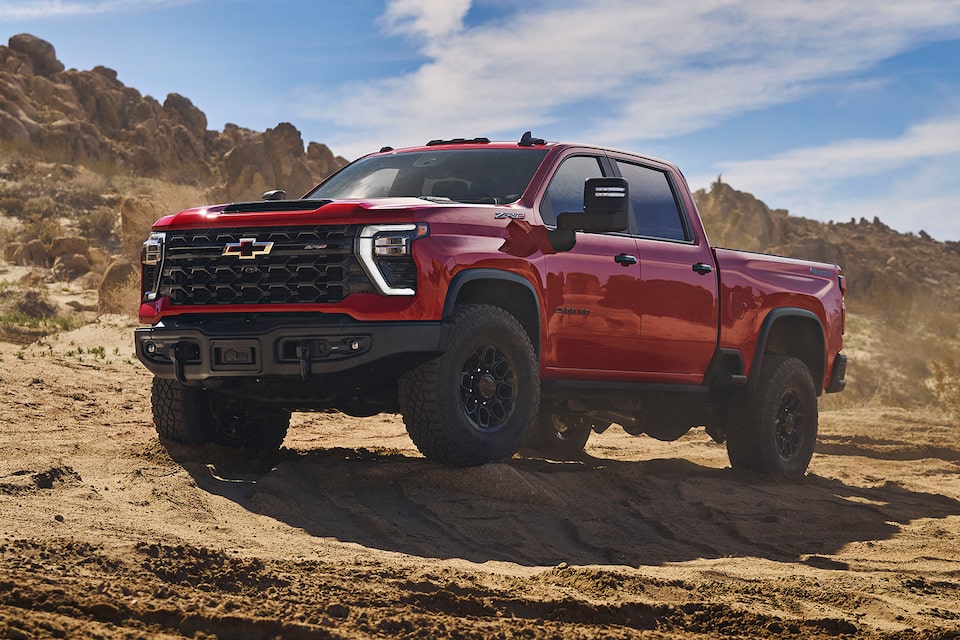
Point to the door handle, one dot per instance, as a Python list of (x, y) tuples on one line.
[(702, 268), (625, 260)]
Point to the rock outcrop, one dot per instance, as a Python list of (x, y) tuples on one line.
[(90, 117)]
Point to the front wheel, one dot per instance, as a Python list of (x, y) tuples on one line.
[(477, 401), (192, 415), (774, 428)]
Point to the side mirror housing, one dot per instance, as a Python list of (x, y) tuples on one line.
[(606, 206), (276, 194)]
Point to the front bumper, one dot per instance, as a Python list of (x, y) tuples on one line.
[(838, 376), (259, 349)]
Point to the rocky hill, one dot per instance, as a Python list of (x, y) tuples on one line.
[(877, 261), (91, 118)]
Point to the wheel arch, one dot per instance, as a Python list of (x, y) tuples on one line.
[(509, 291), (793, 332)]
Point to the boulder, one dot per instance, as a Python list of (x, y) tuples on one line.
[(68, 245), (32, 254), (71, 266), (182, 111), (40, 53)]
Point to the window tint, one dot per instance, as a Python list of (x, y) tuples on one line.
[(565, 192), (653, 203)]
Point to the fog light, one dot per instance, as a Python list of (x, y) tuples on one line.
[(354, 345), (150, 348)]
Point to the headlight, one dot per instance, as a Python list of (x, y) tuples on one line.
[(379, 244), (151, 263)]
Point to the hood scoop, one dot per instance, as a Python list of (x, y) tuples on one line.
[(265, 206)]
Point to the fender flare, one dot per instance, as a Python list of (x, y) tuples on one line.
[(765, 330), (467, 276)]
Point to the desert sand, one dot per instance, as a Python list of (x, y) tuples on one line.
[(348, 532)]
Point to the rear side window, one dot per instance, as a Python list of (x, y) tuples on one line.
[(565, 192), (653, 202)]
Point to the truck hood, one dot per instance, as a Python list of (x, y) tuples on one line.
[(296, 212)]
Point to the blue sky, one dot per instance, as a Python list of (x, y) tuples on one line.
[(833, 109)]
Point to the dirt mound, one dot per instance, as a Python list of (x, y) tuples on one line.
[(348, 532)]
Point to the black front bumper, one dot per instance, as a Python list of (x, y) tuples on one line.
[(265, 348), (838, 376)]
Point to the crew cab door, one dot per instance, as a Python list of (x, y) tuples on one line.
[(678, 289), (593, 290)]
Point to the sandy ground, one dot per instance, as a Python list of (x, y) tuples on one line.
[(350, 533)]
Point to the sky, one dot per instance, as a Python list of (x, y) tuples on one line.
[(832, 109)]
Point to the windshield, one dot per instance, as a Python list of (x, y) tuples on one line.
[(481, 176)]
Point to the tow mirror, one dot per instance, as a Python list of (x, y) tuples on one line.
[(606, 207), (606, 203), (276, 194)]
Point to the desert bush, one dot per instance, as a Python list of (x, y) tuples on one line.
[(45, 229), (147, 201), (122, 298), (99, 225), (945, 382), (26, 305), (11, 206), (943, 324), (40, 207)]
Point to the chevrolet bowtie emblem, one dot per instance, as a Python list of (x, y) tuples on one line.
[(247, 248)]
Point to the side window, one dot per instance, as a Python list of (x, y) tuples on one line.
[(565, 192), (653, 203)]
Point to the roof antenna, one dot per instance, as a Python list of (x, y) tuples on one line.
[(527, 140)]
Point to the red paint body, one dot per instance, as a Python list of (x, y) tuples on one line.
[(654, 321)]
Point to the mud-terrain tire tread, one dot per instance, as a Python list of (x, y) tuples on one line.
[(186, 415), (178, 412), (752, 433), (432, 410)]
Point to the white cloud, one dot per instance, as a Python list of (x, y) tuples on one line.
[(630, 71), (908, 181), (425, 18), (845, 159)]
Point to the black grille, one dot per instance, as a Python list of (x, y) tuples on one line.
[(305, 265)]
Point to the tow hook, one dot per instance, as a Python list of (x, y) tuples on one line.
[(303, 356), (176, 356)]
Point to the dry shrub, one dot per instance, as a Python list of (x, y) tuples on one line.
[(123, 298), (150, 200), (946, 385), (34, 304), (99, 225), (892, 354)]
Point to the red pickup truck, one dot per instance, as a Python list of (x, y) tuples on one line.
[(500, 296)]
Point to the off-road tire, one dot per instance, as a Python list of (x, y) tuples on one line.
[(192, 415), (559, 436), (477, 401), (774, 428)]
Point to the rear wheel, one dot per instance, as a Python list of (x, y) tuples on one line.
[(559, 436), (774, 429), (192, 415), (477, 401)]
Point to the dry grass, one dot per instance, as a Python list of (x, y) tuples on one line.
[(901, 354), (123, 299), (145, 200)]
